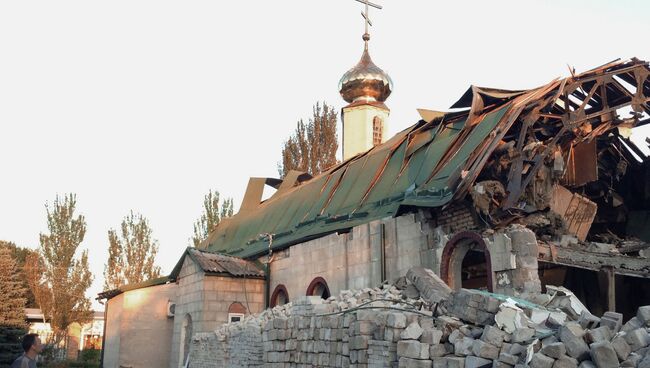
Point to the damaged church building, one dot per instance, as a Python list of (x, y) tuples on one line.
[(509, 192)]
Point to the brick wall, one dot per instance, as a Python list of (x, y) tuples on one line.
[(189, 302), (456, 218), (222, 292), (240, 345), (206, 299), (357, 339)]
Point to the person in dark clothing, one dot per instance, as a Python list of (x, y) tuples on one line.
[(32, 347)]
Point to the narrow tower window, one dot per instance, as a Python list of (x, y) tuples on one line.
[(377, 130)]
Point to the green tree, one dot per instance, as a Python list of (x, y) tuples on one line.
[(312, 147), (57, 276), (131, 253), (20, 254), (213, 213), (12, 290)]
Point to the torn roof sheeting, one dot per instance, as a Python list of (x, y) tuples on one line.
[(435, 161)]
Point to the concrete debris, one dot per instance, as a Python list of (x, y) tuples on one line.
[(602, 333), (430, 286), (637, 339), (555, 350), (632, 324), (381, 327), (566, 301), (541, 361), (412, 332), (643, 315), (621, 348), (588, 320), (476, 362), (510, 317), (487, 196), (613, 320), (603, 354), (576, 346)]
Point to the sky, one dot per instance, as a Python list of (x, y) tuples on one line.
[(146, 105)]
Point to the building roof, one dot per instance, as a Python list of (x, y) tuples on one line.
[(211, 263), (436, 160), (36, 315), (108, 294), (219, 264)]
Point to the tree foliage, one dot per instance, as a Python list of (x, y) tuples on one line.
[(20, 254), (312, 147), (12, 292), (56, 275), (10, 344), (213, 213), (131, 253)]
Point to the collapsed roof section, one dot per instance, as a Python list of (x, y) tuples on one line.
[(440, 158)]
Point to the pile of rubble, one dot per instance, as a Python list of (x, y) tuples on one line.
[(419, 322)]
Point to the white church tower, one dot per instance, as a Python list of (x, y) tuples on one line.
[(365, 87)]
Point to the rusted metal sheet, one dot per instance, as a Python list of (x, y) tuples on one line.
[(577, 211), (581, 164), (217, 263)]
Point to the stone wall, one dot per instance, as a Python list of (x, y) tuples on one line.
[(189, 304), (238, 346), (307, 333), (204, 300), (354, 260), (514, 255)]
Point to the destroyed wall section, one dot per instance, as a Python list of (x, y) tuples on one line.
[(353, 260)]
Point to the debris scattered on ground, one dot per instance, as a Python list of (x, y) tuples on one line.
[(383, 327)]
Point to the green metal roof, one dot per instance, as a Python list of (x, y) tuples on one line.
[(406, 170), (426, 165)]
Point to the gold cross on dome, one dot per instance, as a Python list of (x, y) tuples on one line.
[(366, 14)]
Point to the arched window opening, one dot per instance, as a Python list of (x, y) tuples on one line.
[(377, 130), (466, 262), (236, 312), (280, 296), (474, 270), (186, 337), (318, 287)]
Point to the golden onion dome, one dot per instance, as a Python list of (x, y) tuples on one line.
[(366, 81)]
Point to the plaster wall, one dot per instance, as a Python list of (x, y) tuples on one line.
[(358, 129), (137, 327), (111, 342)]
